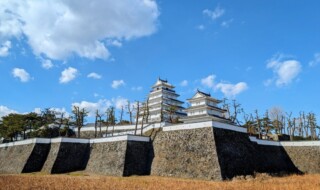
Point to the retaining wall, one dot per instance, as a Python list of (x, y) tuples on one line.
[(238, 155), (207, 150), (213, 150), (186, 153), (67, 155), (23, 156), (305, 158), (119, 156)]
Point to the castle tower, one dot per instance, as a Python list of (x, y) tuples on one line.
[(163, 104), (204, 108)]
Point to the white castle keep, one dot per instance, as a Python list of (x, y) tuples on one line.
[(163, 106), (163, 103), (204, 108)]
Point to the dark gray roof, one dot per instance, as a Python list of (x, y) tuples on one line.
[(203, 93)]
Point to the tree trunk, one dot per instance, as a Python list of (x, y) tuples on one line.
[(100, 133), (137, 119), (95, 128), (107, 130), (142, 125)]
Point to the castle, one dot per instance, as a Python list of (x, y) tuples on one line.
[(207, 145), (164, 106)]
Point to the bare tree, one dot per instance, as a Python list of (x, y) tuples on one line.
[(276, 117), (258, 124), (313, 125), (305, 125), (110, 120), (107, 120), (100, 123), (79, 117), (249, 123), (233, 111), (267, 125), (130, 110), (144, 114), (147, 110), (96, 124), (137, 117), (300, 124), (236, 111), (121, 115), (98, 120)]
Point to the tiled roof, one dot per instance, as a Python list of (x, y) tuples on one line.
[(206, 94)]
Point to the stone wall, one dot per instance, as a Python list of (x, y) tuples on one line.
[(120, 158), (107, 158), (186, 153), (23, 158), (305, 158), (37, 158), (67, 157), (89, 134), (240, 156), (235, 152), (217, 153), (14, 158), (137, 161)]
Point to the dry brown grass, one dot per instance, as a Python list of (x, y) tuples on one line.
[(80, 181)]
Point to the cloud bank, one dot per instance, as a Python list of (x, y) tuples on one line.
[(61, 28)]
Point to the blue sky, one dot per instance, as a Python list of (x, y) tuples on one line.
[(55, 54)]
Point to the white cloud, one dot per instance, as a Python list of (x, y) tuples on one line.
[(61, 110), (6, 111), (96, 95), (91, 107), (119, 102), (231, 90), (68, 75), (137, 88), (285, 70), (59, 29), (201, 27), (23, 75), (208, 81), (228, 89), (37, 110), (315, 61), (57, 110), (115, 43), (46, 64), (117, 83), (101, 105), (184, 83), (226, 23), (4, 48), (214, 14), (94, 76)]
